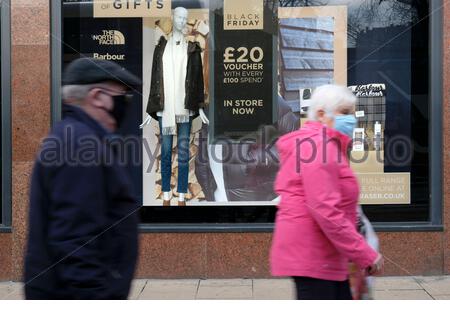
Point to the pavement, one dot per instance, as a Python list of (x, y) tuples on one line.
[(385, 288)]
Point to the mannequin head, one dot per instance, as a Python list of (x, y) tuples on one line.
[(180, 17)]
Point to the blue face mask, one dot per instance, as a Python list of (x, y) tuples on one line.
[(345, 124)]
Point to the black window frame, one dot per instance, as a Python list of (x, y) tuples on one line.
[(434, 222), (6, 161)]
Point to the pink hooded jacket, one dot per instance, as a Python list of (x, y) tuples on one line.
[(315, 230)]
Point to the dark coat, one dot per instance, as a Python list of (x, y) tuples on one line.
[(195, 95), (82, 241)]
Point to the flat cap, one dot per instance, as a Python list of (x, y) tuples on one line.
[(89, 70)]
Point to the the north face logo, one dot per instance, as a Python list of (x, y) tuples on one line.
[(109, 38)]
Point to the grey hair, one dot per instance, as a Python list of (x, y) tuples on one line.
[(331, 98), (76, 92)]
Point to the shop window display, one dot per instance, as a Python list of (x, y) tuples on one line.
[(258, 70)]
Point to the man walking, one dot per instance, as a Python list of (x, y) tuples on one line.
[(82, 241)]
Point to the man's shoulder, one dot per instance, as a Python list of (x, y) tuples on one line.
[(68, 128), (72, 132), (67, 143)]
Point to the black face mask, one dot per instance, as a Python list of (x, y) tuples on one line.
[(121, 103)]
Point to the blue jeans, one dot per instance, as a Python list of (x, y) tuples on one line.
[(183, 134)]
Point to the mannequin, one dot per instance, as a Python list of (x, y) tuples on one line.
[(179, 103)]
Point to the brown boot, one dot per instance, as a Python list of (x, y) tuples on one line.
[(166, 203), (182, 203)]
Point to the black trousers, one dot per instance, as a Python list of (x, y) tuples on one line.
[(318, 289)]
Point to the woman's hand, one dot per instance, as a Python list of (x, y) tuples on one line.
[(377, 267)]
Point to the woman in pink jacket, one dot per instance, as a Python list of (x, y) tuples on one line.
[(315, 230)]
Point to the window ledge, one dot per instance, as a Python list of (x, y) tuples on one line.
[(407, 227), (207, 228), (4, 229), (268, 228), (259, 228)]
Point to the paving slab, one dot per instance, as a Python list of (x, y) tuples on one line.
[(137, 286), (441, 297), (396, 283), (435, 285), (386, 288), (401, 295), (11, 291), (170, 290), (225, 282), (270, 289), (224, 292)]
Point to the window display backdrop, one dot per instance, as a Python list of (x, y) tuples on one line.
[(313, 52), (244, 56), (227, 165), (246, 47), (118, 40), (387, 65)]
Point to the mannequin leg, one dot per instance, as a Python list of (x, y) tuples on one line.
[(166, 160), (216, 164), (184, 132)]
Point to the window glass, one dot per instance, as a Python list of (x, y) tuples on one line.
[(250, 68), (387, 65)]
